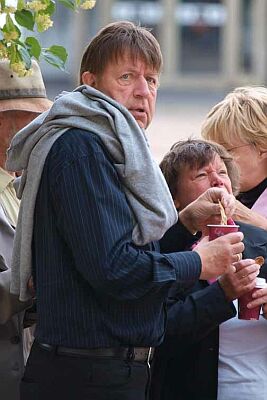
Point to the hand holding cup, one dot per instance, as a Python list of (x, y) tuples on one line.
[(248, 313), (236, 284)]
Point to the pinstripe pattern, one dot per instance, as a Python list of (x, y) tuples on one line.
[(94, 287)]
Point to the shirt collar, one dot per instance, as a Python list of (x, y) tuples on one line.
[(5, 179)]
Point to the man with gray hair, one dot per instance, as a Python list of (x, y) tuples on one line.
[(21, 100)]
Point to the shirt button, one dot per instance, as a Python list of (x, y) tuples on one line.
[(15, 339)]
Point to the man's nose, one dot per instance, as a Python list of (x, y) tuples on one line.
[(141, 87)]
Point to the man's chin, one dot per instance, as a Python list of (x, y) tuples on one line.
[(142, 124)]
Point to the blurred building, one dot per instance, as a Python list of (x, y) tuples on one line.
[(210, 44)]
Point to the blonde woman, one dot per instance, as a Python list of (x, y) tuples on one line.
[(239, 123)]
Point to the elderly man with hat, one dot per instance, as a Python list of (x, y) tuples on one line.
[(21, 100)]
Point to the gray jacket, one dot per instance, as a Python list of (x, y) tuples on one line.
[(11, 345)]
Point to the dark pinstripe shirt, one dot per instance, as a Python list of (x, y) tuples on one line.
[(94, 287)]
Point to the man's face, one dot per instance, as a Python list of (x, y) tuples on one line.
[(10, 123), (131, 83), (193, 182)]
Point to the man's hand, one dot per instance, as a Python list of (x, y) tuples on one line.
[(206, 210), (235, 284), (219, 255)]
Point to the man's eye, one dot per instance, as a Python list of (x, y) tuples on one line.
[(152, 82), (126, 79), (223, 172)]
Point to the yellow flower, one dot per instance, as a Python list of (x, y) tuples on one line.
[(36, 6), (9, 10), (9, 36), (20, 69), (43, 22), (88, 4), (3, 51)]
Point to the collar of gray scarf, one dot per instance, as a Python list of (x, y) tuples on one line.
[(144, 185)]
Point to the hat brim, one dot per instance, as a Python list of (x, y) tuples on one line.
[(36, 104)]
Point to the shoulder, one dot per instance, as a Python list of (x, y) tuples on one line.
[(73, 147), (77, 143), (79, 152)]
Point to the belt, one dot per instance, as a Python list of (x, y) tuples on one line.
[(126, 353)]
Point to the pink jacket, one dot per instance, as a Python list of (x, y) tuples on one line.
[(261, 204)]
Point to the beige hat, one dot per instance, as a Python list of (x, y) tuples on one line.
[(25, 94)]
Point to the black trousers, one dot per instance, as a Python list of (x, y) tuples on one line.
[(50, 376)]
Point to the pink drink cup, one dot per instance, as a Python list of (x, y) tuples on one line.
[(220, 230), (250, 313)]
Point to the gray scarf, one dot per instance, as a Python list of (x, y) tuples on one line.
[(144, 185)]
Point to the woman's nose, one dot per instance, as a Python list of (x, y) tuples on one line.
[(216, 180)]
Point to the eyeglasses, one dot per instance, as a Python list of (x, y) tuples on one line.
[(236, 147)]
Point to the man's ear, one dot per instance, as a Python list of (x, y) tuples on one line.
[(88, 78)]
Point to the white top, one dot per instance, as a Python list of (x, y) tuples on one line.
[(242, 372), (8, 198)]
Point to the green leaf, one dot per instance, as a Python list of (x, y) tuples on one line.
[(50, 9), (9, 25), (18, 31), (25, 18), (26, 57), (59, 51), (34, 47), (68, 3), (56, 56)]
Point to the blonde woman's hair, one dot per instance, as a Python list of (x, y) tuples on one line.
[(240, 117)]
